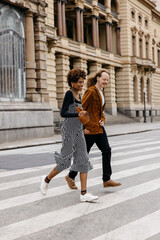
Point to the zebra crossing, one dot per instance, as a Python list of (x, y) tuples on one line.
[(128, 212)]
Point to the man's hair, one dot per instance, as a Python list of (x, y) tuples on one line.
[(92, 80)]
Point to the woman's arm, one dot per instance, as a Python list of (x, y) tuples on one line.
[(68, 99)]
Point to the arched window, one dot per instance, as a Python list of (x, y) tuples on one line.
[(135, 90), (146, 23), (114, 8), (133, 15), (140, 19), (101, 2), (133, 45), (140, 48), (147, 49), (12, 53)]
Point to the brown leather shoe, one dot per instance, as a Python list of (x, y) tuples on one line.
[(111, 183), (71, 183)]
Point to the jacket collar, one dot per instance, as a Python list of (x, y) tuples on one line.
[(96, 89)]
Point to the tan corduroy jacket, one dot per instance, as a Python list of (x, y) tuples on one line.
[(92, 103)]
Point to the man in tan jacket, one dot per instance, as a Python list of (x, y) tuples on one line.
[(93, 102)]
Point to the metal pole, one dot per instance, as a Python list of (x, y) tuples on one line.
[(144, 91), (151, 99)]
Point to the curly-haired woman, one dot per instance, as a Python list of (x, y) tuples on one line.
[(93, 102), (73, 141)]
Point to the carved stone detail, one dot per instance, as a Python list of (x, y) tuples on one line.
[(134, 30), (153, 41), (147, 36), (141, 33), (158, 44), (51, 43)]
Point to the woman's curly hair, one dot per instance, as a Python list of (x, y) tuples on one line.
[(92, 80), (74, 75)]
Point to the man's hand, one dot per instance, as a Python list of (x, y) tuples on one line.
[(85, 131), (82, 113), (101, 123)]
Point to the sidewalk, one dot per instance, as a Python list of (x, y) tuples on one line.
[(112, 130)]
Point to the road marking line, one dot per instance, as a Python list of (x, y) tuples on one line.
[(44, 221), (55, 191), (32, 180), (136, 145), (39, 168), (142, 150), (52, 149), (141, 229)]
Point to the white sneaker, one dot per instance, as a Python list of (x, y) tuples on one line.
[(88, 197), (44, 186)]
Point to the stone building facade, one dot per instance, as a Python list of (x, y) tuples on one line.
[(122, 36)]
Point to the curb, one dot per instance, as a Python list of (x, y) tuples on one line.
[(59, 141)]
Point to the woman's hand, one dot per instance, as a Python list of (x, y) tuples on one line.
[(82, 113), (85, 131), (101, 123)]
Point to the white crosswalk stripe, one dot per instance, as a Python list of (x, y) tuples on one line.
[(135, 230), (138, 163), (52, 148)]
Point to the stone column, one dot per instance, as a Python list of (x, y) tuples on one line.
[(62, 69), (78, 24), (31, 84), (63, 19), (107, 37), (110, 93), (41, 57), (51, 77), (59, 17), (82, 30), (80, 63), (124, 88), (94, 31), (118, 41), (97, 32), (95, 67), (110, 34)]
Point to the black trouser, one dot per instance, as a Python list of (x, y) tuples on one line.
[(102, 143)]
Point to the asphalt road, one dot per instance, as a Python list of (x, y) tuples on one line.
[(128, 212)]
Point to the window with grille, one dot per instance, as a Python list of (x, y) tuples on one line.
[(12, 53)]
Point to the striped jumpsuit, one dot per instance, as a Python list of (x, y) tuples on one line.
[(73, 143)]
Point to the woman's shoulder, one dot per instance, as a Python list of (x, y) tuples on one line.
[(69, 93)]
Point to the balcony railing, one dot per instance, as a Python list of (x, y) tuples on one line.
[(115, 14), (102, 6)]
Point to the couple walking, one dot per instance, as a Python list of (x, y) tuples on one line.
[(77, 139)]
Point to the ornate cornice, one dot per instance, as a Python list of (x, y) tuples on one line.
[(141, 33), (51, 43), (147, 36), (153, 41), (134, 30), (158, 44)]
